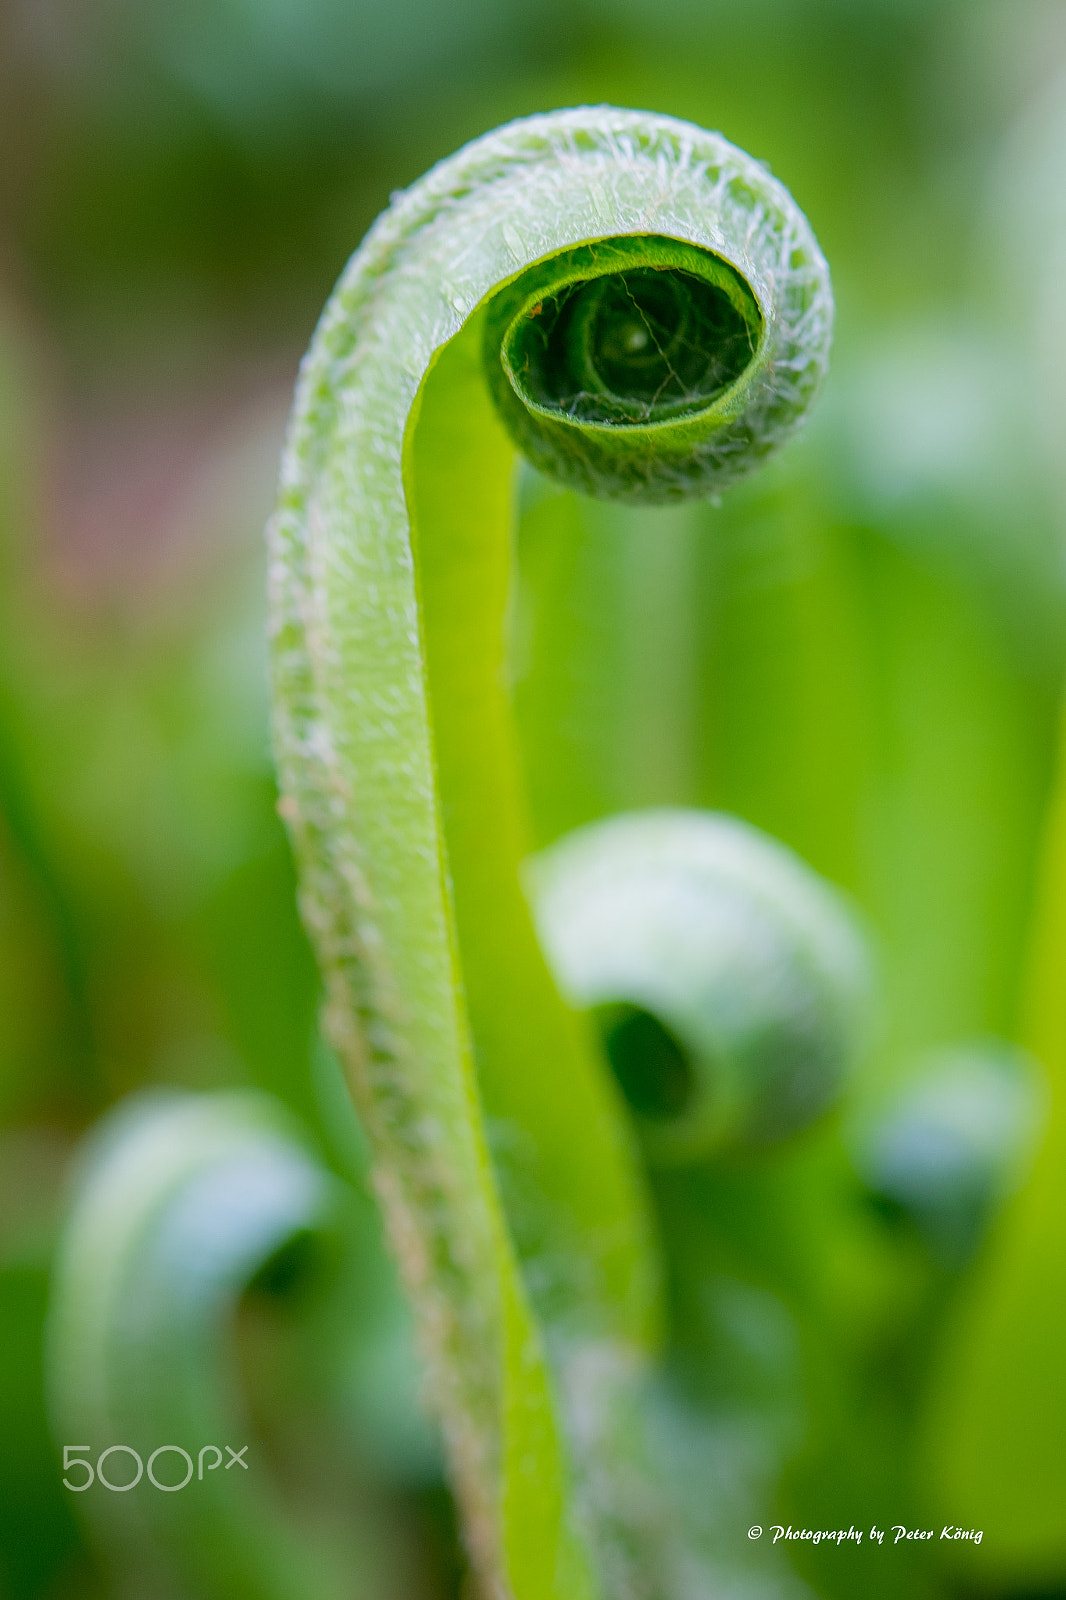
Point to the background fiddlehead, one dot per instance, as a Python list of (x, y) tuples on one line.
[(746, 963), (182, 1202), (526, 1244), (196, 1219)]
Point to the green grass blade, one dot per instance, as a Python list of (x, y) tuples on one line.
[(996, 1420)]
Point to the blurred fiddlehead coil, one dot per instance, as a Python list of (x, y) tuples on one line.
[(643, 309), (181, 1200), (730, 980)]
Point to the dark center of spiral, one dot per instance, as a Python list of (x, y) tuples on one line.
[(634, 347), (652, 1068)]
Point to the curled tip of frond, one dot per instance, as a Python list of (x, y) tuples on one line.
[(731, 982)]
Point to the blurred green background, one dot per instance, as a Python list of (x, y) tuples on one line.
[(861, 651)]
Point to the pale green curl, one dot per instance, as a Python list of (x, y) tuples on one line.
[(654, 316)]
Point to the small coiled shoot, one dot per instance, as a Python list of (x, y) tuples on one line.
[(732, 984), (182, 1200)]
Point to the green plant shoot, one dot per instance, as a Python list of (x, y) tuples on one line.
[(642, 310)]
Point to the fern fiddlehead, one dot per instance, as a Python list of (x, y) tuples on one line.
[(182, 1199), (744, 959), (651, 315)]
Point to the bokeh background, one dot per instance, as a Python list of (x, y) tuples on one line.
[(861, 652)]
